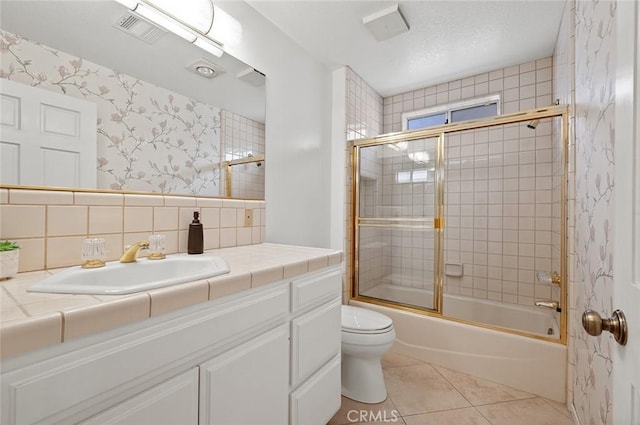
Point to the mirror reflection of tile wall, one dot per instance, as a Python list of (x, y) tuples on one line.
[(241, 138)]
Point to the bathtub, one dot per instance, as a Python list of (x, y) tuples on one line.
[(530, 319), (528, 364)]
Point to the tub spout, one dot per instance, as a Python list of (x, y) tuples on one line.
[(555, 305)]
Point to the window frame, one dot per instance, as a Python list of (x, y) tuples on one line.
[(448, 108)]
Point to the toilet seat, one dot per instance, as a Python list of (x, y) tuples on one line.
[(362, 321)]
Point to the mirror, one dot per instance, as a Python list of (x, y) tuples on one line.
[(161, 127)]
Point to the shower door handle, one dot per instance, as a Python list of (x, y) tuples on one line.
[(594, 324)]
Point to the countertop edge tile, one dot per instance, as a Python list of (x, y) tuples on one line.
[(18, 336), (101, 317), (316, 263), (175, 297), (266, 275), (295, 268), (335, 258), (229, 284)]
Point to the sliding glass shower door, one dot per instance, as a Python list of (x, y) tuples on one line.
[(497, 259), (397, 200)]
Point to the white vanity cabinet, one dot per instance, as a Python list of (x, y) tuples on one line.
[(264, 356), (315, 353)]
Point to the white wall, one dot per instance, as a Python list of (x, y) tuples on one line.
[(298, 130)]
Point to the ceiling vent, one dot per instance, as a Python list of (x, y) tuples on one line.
[(251, 76), (386, 23), (139, 28)]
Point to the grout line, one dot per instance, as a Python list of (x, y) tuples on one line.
[(483, 415), (452, 385)]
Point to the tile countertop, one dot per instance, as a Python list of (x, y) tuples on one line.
[(31, 320)]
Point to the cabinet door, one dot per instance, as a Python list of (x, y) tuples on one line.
[(172, 402), (248, 384)]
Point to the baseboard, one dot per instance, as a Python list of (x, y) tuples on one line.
[(574, 414)]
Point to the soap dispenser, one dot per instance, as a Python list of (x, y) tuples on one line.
[(195, 242)]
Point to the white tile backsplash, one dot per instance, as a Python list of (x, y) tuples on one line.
[(51, 235)]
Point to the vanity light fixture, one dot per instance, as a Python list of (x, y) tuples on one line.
[(165, 22), (199, 22), (209, 46)]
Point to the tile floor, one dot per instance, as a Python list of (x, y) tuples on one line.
[(420, 393)]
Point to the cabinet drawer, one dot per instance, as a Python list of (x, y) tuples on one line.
[(318, 399), (174, 401), (315, 289), (315, 338)]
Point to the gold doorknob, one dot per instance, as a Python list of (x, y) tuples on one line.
[(594, 324)]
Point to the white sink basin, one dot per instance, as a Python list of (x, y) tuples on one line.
[(126, 278)]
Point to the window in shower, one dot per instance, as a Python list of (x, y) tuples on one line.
[(453, 112), (395, 222)]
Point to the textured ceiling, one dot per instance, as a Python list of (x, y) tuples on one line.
[(447, 40)]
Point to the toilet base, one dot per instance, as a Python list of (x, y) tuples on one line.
[(362, 379)]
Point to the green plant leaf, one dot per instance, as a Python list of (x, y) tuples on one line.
[(8, 246)]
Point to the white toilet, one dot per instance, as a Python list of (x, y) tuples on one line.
[(366, 337)]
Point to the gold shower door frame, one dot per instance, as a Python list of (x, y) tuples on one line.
[(227, 170), (438, 223)]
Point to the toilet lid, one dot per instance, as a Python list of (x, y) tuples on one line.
[(358, 319)]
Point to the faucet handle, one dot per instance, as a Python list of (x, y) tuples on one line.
[(156, 247)]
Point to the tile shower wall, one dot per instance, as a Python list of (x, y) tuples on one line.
[(472, 233), (177, 136), (521, 87), (364, 119), (498, 206), (241, 137), (50, 226)]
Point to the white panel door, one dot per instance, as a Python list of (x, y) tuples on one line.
[(626, 367), (249, 384), (46, 138)]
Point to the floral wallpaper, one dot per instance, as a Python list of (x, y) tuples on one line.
[(595, 137), (149, 138)]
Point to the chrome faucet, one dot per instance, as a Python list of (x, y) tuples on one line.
[(555, 305), (131, 254)]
